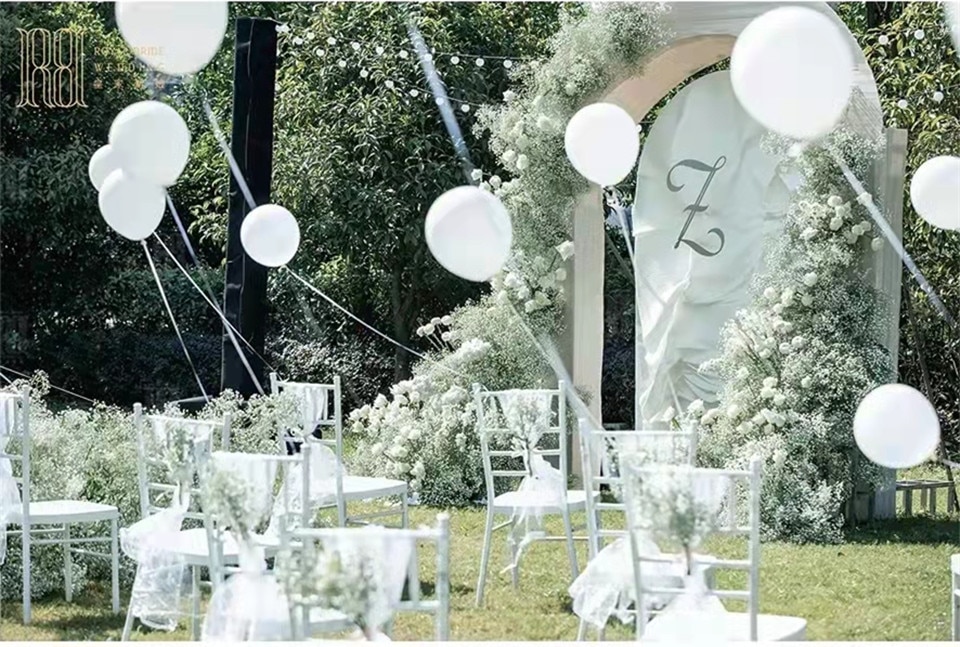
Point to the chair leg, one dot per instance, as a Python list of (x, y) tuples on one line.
[(128, 623), (25, 535), (67, 565), (581, 631), (342, 512), (485, 556), (514, 560), (114, 568), (195, 600), (571, 547)]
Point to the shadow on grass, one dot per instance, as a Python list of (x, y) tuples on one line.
[(907, 530), (429, 590)]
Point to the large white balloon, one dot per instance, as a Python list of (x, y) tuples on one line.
[(173, 37), (270, 235), (896, 427), (935, 192), (151, 141), (951, 13), (792, 70), (102, 163), (131, 206), (602, 143), (468, 231)]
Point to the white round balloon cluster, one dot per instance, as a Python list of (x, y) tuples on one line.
[(149, 142), (148, 150)]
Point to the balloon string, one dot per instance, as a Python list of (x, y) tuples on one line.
[(368, 326), (893, 240), (52, 386), (176, 328), (228, 326), (231, 160), (206, 285)]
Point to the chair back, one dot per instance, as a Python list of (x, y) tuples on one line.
[(312, 540), (15, 432), (729, 523), (600, 447), (287, 508), (491, 421), (157, 434), (320, 406)]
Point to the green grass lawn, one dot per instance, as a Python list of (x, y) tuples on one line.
[(890, 581)]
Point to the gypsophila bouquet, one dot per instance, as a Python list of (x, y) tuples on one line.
[(677, 504)]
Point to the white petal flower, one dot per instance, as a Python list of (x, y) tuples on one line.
[(476, 175), (770, 293), (446, 320), (806, 300), (779, 399), (509, 96), (743, 373), (495, 181), (778, 308), (560, 274), (523, 163), (733, 411), (836, 223), (834, 201), (876, 244), (785, 348), (509, 156), (530, 306), (696, 408), (806, 382), (565, 249), (428, 330), (668, 415), (435, 321), (770, 382), (764, 353), (808, 233), (810, 279), (865, 199)]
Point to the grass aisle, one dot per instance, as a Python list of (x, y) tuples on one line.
[(890, 581)]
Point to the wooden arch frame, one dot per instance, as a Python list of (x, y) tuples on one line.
[(704, 33)]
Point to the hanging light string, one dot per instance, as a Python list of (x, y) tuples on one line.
[(52, 386), (331, 40), (173, 320), (245, 190)]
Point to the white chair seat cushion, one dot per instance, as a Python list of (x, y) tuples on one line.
[(56, 512), (328, 621), (769, 628), (510, 501), (369, 487), (192, 544)]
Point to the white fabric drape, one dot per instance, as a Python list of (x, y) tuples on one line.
[(9, 491), (708, 199), (157, 594), (313, 403), (527, 416), (250, 605)]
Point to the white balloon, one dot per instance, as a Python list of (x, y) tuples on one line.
[(270, 235), (935, 192), (102, 163), (896, 426), (131, 206), (151, 141), (468, 231), (792, 70), (173, 37), (602, 143), (951, 13)]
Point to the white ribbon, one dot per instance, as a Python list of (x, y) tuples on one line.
[(696, 616)]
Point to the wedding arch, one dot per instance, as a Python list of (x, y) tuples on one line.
[(702, 34)]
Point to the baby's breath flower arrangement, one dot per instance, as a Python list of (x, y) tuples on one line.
[(426, 433), (796, 362)]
